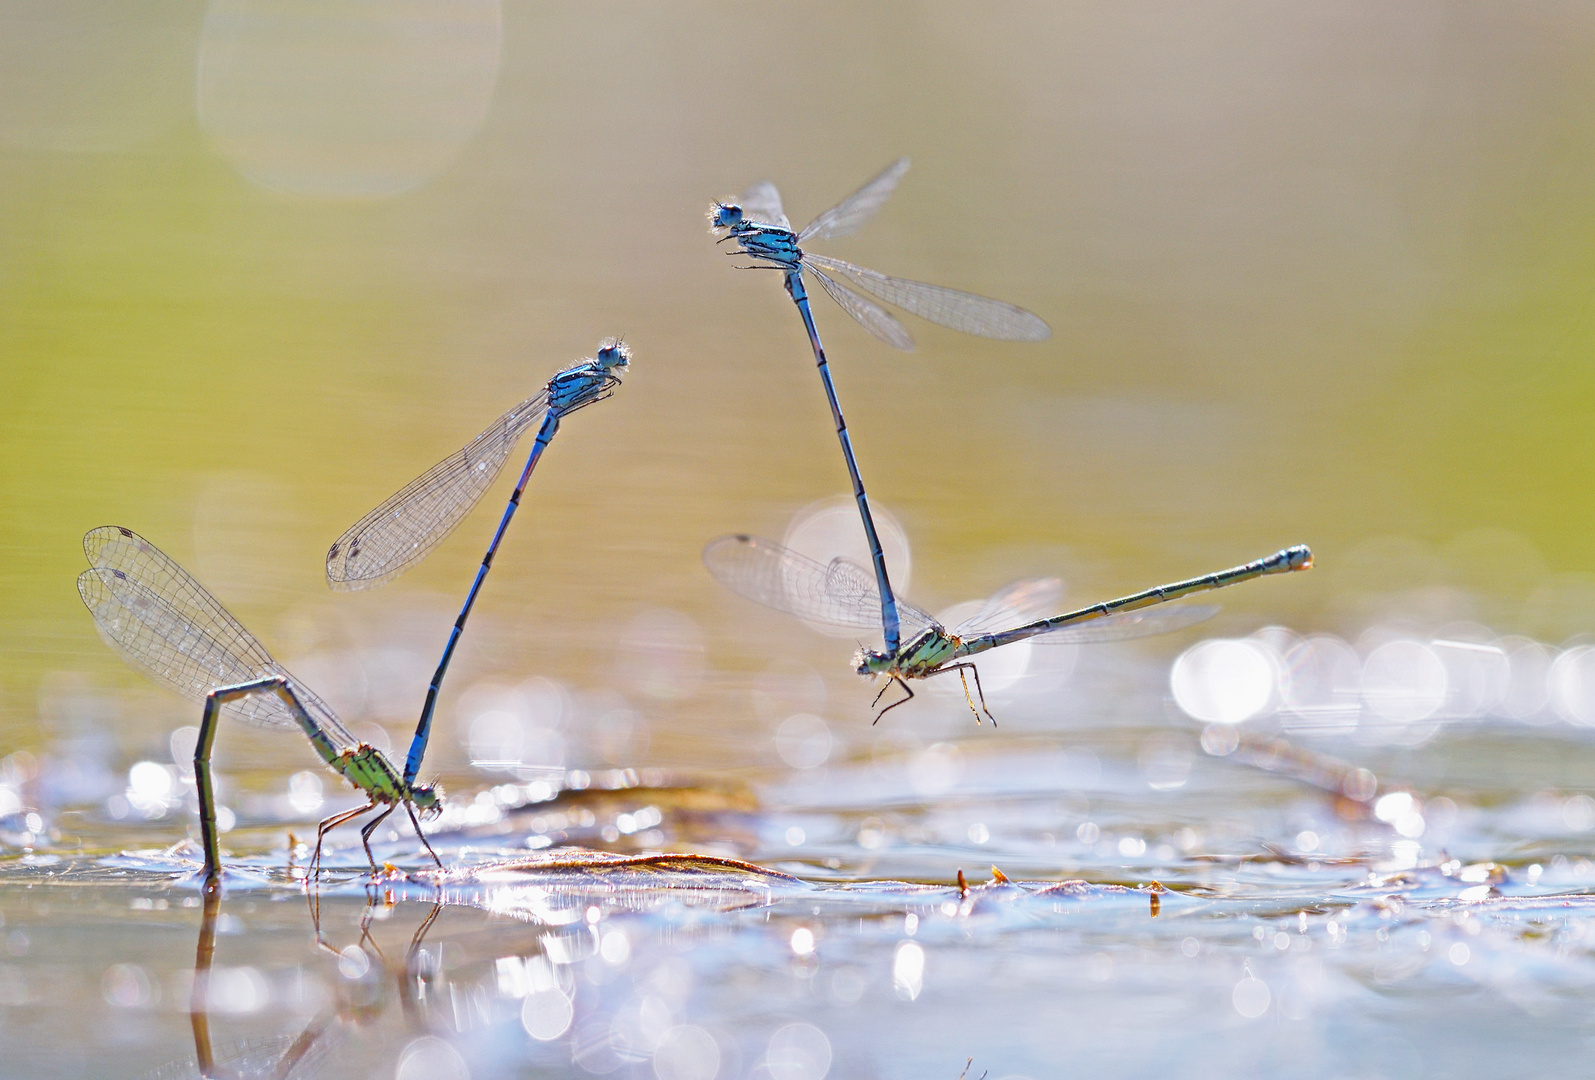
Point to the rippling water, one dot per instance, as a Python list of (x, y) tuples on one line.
[(1315, 274), (1135, 903)]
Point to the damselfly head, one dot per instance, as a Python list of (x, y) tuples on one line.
[(612, 353), (871, 662), (724, 215), (427, 799)]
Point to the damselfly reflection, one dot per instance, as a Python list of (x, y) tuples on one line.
[(290, 1057), (409, 524), (165, 624), (840, 594), (760, 228)]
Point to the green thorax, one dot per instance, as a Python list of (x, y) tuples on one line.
[(367, 769), (919, 656)]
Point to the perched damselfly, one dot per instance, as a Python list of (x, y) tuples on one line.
[(760, 228), (165, 624), (409, 524), (840, 594)]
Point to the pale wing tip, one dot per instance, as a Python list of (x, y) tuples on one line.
[(90, 588), (898, 338), (338, 581), (725, 557), (1032, 327), (719, 544), (96, 539), (343, 577)]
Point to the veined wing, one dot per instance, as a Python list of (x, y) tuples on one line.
[(167, 625), (842, 594), (1122, 627), (846, 578), (972, 314), (762, 202), (404, 529), (857, 208), (1013, 605), (870, 315)]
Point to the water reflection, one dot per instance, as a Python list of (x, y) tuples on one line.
[(238, 990)]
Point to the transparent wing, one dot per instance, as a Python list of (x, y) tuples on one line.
[(1122, 627), (857, 208), (870, 315), (972, 314), (165, 624), (1013, 605), (845, 578), (762, 202), (842, 594), (404, 529)]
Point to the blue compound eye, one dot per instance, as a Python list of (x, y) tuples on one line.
[(727, 215)]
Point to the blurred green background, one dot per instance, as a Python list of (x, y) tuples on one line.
[(1316, 273)]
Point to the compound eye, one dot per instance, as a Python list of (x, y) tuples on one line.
[(728, 215)]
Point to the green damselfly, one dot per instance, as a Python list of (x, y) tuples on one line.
[(841, 594), (165, 624)]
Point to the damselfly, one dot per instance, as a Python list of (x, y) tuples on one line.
[(840, 594), (165, 624), (760, 228), (408, 525)]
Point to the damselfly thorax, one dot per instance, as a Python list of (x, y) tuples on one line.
[(933, 651), (759, 240)]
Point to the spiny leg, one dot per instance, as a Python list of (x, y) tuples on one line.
[(313, 871), (898, 679), (332, 823), (887, 686), (409, 809), (370, 827), (978, 690), (973, 670)]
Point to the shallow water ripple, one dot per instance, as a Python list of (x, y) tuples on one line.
[(1130, 902)]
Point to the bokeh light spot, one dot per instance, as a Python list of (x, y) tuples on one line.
[(1223, 681)]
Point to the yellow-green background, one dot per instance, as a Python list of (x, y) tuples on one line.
[(1316, 272)]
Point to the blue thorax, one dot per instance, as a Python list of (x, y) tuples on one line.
[(587, 382), (757, 238)]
